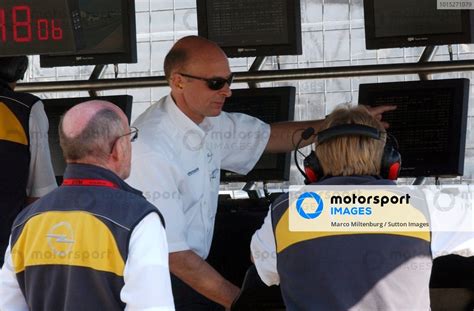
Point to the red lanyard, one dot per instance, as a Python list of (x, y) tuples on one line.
[(89, 182)]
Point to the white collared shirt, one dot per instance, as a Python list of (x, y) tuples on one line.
[(41, 178), (176, 163)]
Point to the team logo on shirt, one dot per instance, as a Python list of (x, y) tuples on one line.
[(61, 238), (194, 171)]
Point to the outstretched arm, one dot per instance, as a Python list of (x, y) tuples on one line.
[(285, 135)]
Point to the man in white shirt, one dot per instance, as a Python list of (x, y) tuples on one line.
[(187, 140), (94, 243), (27, 173)]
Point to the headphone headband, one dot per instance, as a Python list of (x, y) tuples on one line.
[(348, 130), (391, 159)]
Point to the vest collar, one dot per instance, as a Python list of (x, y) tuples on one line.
[(354, 180), (89, 171)]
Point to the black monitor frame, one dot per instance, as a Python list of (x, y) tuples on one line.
[(293, 47), (80, 58), (373, 42), (51, 107), (442, 164), (281, 171)]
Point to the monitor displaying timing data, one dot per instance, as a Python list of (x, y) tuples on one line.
[(252, 27), (406, 23), (429, 123), (269, 105), (55, 108)]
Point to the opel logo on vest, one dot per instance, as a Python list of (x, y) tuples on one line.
[(309, 205), (61, 238)]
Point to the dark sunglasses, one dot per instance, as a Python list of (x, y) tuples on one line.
[(214, 84)]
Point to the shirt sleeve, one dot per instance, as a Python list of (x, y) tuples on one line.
[(11, 297), (157, 179), (452, 243), (147, 277), (263, 251), (452, 230), (41, 178), (247, 140)]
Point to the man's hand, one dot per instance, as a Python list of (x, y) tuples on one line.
[(377, 112), (198, 274)]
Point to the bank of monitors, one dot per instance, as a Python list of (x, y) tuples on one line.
[(55, 108), (270, 105), (105, 33), (252, 27), (406, 23), (429, 123)]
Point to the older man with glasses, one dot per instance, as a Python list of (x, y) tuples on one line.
[(94, 243), (186, 140)]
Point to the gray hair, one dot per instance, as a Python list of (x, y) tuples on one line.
[(95, 140)]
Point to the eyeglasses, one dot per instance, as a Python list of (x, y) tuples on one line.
[(214, 84), (133, 132)]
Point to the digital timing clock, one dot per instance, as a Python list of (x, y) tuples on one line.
[(35, 27)]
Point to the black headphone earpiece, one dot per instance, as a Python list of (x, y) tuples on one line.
[(13, 68), (391, 158)]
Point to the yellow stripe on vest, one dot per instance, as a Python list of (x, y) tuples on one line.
[(285, 238), (10, 128), (67, 238)]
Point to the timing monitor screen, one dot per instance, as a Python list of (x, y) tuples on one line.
[(429, 123), (55, 108), (252, 27), (407, 17), (401, 23), (269, 105), (104, 31)]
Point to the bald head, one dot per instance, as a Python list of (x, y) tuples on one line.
[(188, 50), (76, 119), (87, 130)]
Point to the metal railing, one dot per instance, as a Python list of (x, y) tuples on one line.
[(421, 68)]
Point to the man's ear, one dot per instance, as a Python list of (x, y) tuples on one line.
[(176, 81), (117, 150)]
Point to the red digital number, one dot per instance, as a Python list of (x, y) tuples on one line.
[(57, 32), (22, 27), (18, 24), (3, 28), (43, 29)]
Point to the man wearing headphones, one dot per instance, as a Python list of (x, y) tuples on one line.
[(340, 270), (25, 160)]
